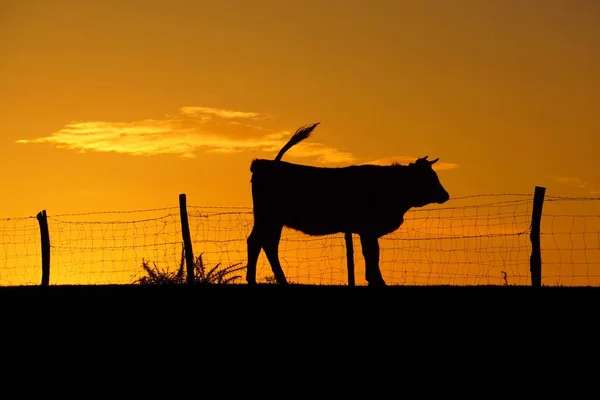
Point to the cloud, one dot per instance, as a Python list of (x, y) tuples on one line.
[(576, 183), (221, 113), (570, 181), (440, 165), (191, 130), (195, 129)]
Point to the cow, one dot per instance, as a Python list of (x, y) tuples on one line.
[(368, 200)]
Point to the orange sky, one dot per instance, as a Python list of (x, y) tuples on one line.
[(110, 105)]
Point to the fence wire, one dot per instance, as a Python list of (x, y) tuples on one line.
[(471, 240)]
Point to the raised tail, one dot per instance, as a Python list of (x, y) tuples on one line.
[(302, 133)]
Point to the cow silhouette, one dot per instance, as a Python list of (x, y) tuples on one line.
[(368, 200)]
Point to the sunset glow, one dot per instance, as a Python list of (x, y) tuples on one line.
[(121, 106)]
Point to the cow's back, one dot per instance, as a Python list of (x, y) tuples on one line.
[(319, 200), (278, 182)]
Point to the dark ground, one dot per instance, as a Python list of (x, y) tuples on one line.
[(296, 302), (231, 329)]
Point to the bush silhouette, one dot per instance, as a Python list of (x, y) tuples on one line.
[(217, 275)]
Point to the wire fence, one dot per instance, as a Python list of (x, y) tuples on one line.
[(473, 240)]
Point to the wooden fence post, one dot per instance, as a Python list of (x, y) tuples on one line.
[(350, 257), (187, 240), (45, 239), (535, 261)]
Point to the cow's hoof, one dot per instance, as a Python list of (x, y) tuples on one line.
[(280, 279)]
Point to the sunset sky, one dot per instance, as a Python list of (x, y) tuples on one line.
[(111, 105)]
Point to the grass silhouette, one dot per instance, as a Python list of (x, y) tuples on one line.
[(217, 275)]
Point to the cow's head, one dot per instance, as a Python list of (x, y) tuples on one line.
[(428, 188)]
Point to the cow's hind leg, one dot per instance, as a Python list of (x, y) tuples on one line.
[(271, 247), (370, 250), (254, 244)]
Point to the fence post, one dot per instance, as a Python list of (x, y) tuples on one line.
[(187, 240), (45, 239), (350, 257), (535, 261)]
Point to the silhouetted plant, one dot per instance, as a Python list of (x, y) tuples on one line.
[(217, 274), (504, 277), (272, 280), (156, 276), (202, 275)]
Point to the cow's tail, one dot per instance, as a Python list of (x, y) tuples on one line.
[(302, 133)]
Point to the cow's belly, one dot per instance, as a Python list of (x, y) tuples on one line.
[(323, 209), (319, 224)]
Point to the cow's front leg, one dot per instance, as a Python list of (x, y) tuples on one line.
[(370, 250)]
